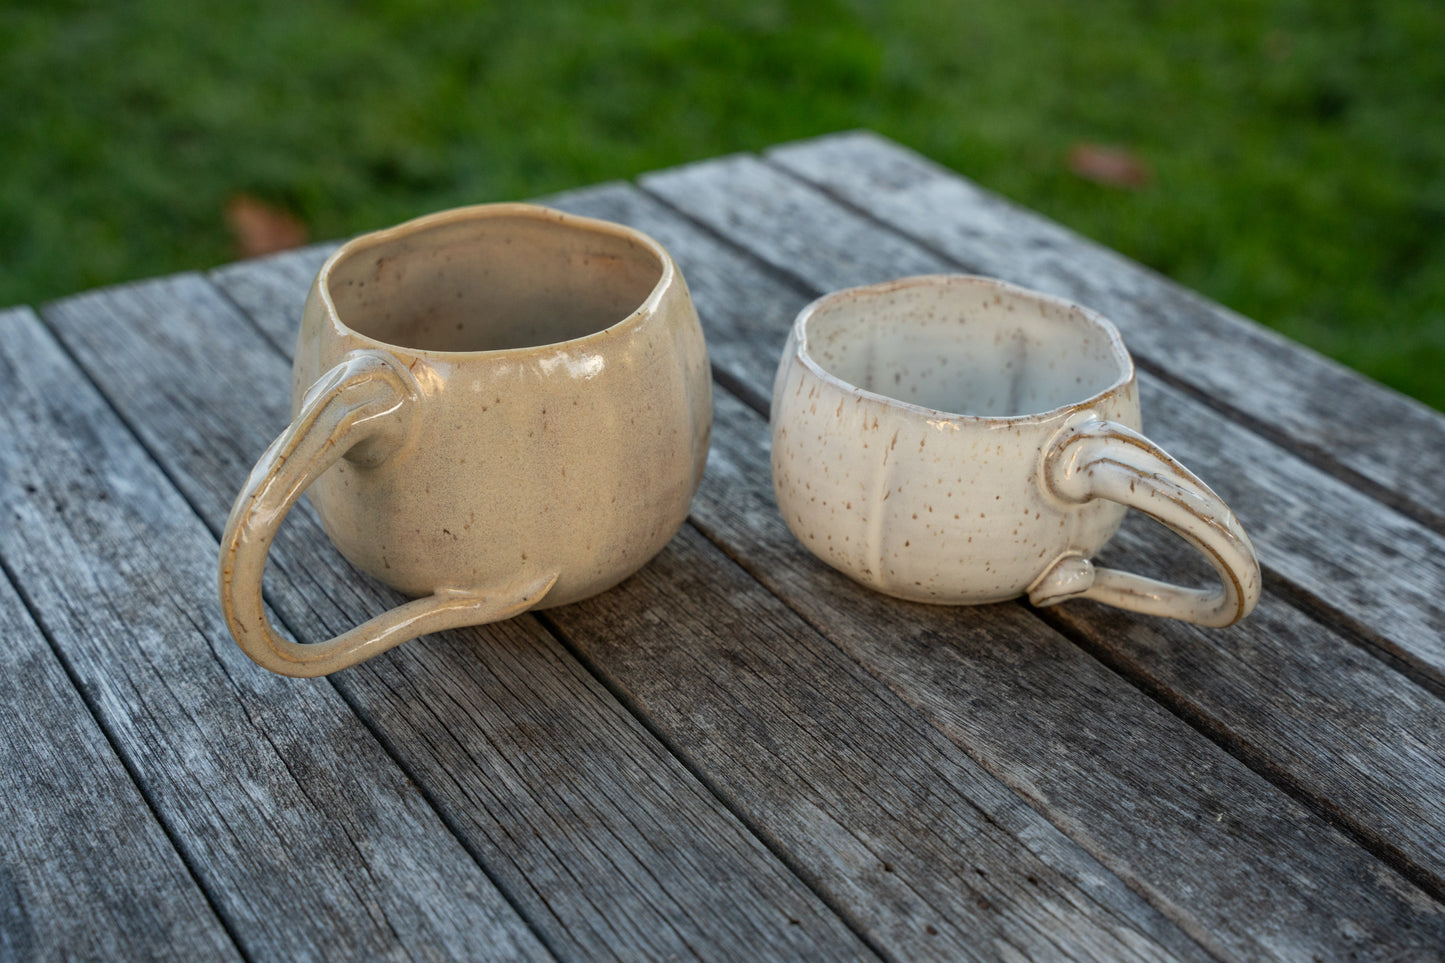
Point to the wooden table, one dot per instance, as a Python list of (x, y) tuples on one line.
[(736, 754)]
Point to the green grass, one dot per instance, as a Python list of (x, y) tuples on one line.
[(1298, 148)]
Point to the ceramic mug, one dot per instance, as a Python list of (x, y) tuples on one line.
[(960, 440), (496, 408)]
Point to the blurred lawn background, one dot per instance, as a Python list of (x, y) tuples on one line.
[(1296, 149)]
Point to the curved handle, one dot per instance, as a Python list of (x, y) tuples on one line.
[(362, 409), (1101, 459)]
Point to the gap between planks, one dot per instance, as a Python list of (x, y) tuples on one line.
[(1197, 719), (22, 939), (569, 616), (118, 482), (1421, 660), (463, 839), (731, 854), (549, 625), (367, 723), (1372, 842), (1411, 496)]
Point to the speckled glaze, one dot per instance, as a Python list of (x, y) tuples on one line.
[(496, 408), (959, 440)]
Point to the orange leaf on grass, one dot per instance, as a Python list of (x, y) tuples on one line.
[(1110, 166), (260, 228)]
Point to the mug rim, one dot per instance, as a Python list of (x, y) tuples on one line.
[(1089, 315), (480, 212)]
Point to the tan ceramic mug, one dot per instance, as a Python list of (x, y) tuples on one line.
[(495, 408), (960, 440)]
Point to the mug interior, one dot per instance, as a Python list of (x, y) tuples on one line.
[(965, 346), (487, 282)]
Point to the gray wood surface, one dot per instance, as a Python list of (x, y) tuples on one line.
[(1387, 584), (739, 308), (264, 289), (737, 753), (1179, 819), (1390, 445), (908, 837), (799, 826), (86, 871), (309, 840), (1328, 548), (515, 744)]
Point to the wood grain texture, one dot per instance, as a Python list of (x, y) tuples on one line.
[(1299, 399), (86, 871), (1360, 565), (1361, 745), (606, 843), (311, 842), (1180, 820), (265, 289), (910, 839), (897, 924), (772, 715), (1307, 736), (1388, 795), (1389, 583)]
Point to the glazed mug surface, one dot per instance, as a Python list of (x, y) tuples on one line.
[(959, 440), (495, 408)]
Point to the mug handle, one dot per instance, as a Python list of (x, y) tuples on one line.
[(1103, 459), (361, 409)]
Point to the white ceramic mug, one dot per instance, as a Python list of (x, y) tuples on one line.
[(960, 440), (496, 408)]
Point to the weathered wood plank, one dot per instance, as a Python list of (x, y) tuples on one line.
[(86, 871), (1294, 396), (1393, 794), (1390, 584), (1358, 564), (1036, 713), (265, 289), (912, 840), (736, 508), (1058, 864), (1361, 745), (607, 844), (309, 839), (1184, 823)]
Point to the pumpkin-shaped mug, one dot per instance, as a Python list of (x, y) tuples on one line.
[(959, 440), (495, 409)]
